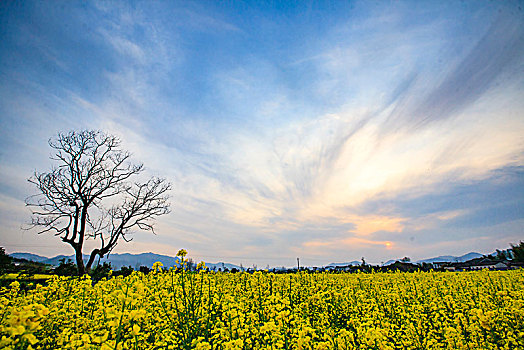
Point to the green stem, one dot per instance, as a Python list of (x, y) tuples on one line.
[(119, 330)]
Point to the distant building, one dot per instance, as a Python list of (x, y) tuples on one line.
[(491, 265), (440, 264), (486, 263)]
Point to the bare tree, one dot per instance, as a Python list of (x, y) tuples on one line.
[(89, 194)]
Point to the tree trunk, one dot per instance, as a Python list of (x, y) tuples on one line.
[(92, 257), (79, 260)]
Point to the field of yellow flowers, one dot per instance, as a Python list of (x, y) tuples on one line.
[(205, 310)]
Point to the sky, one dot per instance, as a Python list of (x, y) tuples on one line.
[(326, 130)]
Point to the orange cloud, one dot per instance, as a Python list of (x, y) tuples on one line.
[(369, 224), (363, 241), (350, 241)]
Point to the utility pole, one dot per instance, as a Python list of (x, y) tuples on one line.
[(298, 264)]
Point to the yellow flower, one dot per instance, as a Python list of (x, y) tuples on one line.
[(157, 266), (469, 310), (136, 330), (30, 338)]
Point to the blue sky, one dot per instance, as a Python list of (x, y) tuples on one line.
[(322, 130)]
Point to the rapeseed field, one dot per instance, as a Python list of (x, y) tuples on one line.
[(177, 309)]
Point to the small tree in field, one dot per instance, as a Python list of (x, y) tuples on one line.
[(517, 252), (89, 194), (6, 262)]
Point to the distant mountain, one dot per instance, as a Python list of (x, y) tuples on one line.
[(29, 256), (221, 265), (450, 258), (55, 261), (119, 260), (137, 260), (442, 258), (148, 259), (355, 262), (389, 262), (116, 260)]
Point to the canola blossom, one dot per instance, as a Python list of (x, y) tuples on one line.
[(205, 310)]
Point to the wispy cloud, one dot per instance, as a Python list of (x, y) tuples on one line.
[(497, 52)]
